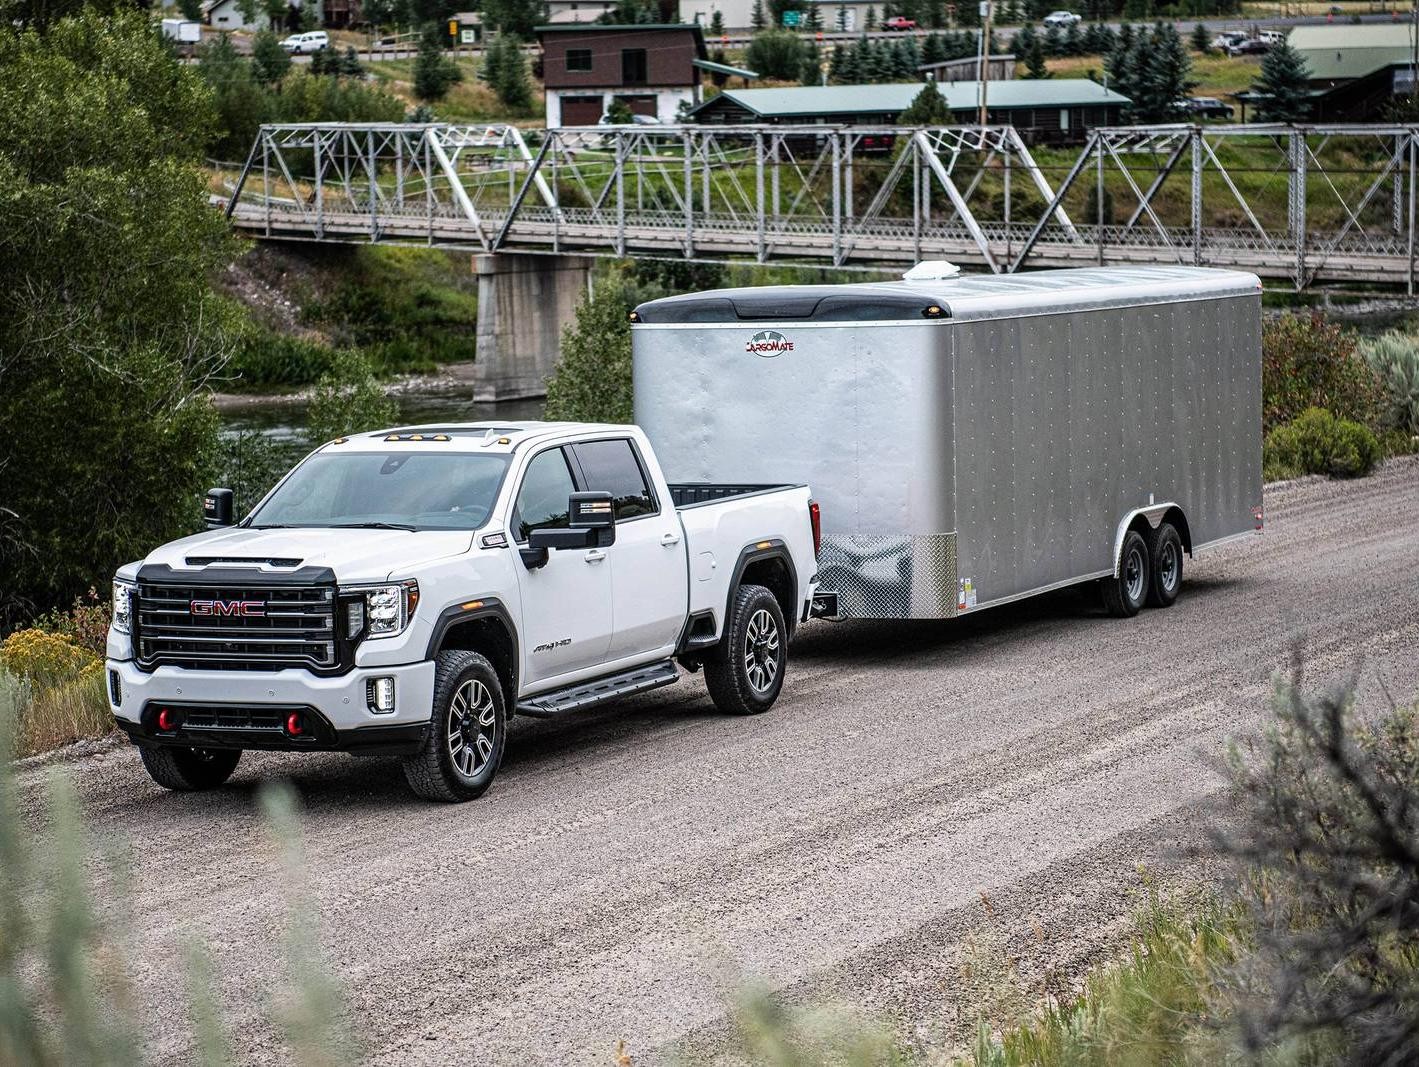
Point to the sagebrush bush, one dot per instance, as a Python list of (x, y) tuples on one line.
[(1310, 362), (1394, 357), (1319, 443)]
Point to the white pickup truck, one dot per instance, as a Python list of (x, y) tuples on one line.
[(408, 591)]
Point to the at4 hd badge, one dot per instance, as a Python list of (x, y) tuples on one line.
[(768, 343)]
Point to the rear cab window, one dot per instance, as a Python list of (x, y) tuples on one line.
[(614, 466)]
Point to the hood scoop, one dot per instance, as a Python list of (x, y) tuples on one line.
[(254, 561)]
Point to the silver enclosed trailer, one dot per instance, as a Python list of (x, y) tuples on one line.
[(975, 439)]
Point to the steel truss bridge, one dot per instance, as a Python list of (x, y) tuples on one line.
[(1303, 204)]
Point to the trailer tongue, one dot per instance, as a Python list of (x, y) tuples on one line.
[(975, 439)]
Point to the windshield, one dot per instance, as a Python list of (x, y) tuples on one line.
[(381, 490)]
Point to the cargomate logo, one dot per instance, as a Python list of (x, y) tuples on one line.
[(768, 343)]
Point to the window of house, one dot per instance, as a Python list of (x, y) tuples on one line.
[(633, 67), (578, 59)]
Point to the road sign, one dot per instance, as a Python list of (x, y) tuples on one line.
[(792, 19)]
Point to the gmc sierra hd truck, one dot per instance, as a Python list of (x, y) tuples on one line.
[(408, 591)]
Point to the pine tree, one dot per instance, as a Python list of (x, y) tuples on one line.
[(928, 108), (812, 72), (872, 24), (933, 50), (269, 61), (1073, 44), (434, 72), (1035, 66), (1161, 68), (716, 24), (1201, 42), (757, 20), (1053, 43), (1284, 81), (814, 22)]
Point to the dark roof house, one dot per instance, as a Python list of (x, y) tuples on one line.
[(650, 68)]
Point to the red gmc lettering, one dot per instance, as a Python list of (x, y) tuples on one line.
[(227, 607)]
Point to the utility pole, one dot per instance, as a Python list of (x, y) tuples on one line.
[(987, 11), (1414, 54)]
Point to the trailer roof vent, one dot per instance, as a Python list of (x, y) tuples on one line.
[(932, 270)]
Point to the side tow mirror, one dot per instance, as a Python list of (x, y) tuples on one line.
[(591, 523), (217, 508)]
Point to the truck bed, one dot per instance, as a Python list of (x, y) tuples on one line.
[(694, 494)]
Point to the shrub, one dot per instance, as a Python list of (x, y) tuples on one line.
[(592, 382), (249, 463), (1309, 362), (1329, 841), (1319, 443), (775, 54), (265, 358), (434, 73), (45, 659), (85, 623), (348, 399), (1394, 357)]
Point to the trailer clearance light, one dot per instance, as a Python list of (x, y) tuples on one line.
[(379, 694)]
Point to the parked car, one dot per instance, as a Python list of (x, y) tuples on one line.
[(303, 44), (1205, 107), (899, 22), (1250, 46), (408, 591), (1272, 37), (1224, 41), (1062, 19)]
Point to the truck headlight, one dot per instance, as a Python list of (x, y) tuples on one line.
[(388, 608), (122, 606)]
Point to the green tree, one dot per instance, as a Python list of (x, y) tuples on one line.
[(109, 327), (592, 382), (1284, 84), (434, 72), (1201, 40), (268, 59), (191, 9), (350, 65), (1162, 67), (619, 113), (348, 399), (776, 54), (928, 108), (1035, 65), (505, 71), (716, 24), (517, 17), (812, 69), (251, 11), (757, 19)]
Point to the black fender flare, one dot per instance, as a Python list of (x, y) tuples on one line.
[(770, 548), (478, 608)]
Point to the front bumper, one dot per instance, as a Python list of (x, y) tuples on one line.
[(248, 709)]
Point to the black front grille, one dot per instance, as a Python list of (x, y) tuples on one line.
[(236, 627)]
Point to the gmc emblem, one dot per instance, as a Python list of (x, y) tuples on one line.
[(247, 608)]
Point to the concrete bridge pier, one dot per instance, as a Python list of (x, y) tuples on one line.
[(523, 303)]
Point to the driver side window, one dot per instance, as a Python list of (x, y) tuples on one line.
[(542, 500)]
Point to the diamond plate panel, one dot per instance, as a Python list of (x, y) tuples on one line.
[(891, 576)]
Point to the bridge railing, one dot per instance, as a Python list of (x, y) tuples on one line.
[(1299, 203)]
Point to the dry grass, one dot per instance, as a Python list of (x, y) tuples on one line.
[(44, 718), (1216, 75), (469, 101)]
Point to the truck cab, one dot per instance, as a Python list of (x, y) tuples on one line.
[(408, 591)]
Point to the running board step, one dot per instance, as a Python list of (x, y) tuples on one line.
[(577, 697)]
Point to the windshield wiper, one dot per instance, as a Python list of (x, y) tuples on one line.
[(372, 526)]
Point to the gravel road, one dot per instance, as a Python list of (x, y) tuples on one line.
[(630, 870)]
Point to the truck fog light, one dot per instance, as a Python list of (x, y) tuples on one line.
[(379, 692), (115, 689)]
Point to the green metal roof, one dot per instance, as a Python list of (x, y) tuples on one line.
[(1337, 52), (724, 68), (810, 100)]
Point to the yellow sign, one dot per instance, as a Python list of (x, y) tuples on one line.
[(453, 27)]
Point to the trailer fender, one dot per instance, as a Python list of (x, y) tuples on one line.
[(1152, 514)]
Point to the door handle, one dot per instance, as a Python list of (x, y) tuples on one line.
[(594, 556), (670, 539)]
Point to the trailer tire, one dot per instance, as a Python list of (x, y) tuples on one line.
[(1165, 554), (1127, 592), (744, 672), (467, 731), (189, 770)]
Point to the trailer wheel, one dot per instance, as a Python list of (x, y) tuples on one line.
[(744, 672), (1165, 550), (1125, 594), (188, 770)]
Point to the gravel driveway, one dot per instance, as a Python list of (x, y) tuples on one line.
[(631, 868)]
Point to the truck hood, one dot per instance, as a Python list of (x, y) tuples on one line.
[(354, 555)]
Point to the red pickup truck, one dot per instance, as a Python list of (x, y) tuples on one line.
[(899, 22)]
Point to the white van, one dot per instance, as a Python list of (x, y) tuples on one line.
[(299, 44)]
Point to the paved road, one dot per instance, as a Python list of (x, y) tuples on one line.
[(628, 869)]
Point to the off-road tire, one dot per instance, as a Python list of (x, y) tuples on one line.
[(442, 770), (1125, 594), (734, 685), (189, 770), (1165, 571)]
